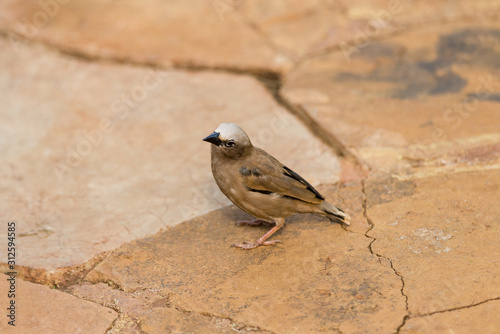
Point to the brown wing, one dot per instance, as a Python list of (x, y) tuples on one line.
[(267, 175)]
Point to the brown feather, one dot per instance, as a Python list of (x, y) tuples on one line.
[(266, 174)]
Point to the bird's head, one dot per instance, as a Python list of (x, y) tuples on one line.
[(230, 139)]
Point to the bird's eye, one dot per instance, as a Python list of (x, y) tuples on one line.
[(230, 143)]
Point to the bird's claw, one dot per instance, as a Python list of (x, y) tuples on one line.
[(251, 245)]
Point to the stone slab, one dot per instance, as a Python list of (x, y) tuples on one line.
[(476, 319), (188, 33), (150, 311), (321, 278), (408, 99), (251, 35), (441, 234), (111, 153), (40, 309), (303, 29)]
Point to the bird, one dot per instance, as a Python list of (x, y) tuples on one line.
[(260, 185)]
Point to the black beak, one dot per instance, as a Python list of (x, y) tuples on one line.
[(213, 138)]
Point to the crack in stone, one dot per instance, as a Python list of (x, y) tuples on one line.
[(123, 60), (240, 328), (124, 320), (111, 325), (243, 328), (315, 128), (380, 256), (458, 308), (122, 313), (122, 317), (365, 214), (109, 282), (169, 303), (403, 323), (407, 317), (272, 81), (60, 277)]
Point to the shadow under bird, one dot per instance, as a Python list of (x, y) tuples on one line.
[(260, 185)]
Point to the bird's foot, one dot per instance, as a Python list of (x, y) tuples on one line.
[(251, 245), (254, 222)]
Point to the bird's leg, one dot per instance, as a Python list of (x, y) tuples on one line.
[(262, 241), (254, 222)]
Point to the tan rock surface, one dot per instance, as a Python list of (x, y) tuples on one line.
[(111, 153), (305, 28), (197, 33), (477, 319), (408, 99), (40, 309), (150, 311), (442, 237), (103, 168), (322, 278), (295, 27), (250, 35)]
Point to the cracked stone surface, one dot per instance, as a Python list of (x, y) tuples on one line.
[(467, 320), (150, 311), (153, 31), (304, 28), (319, 272), (257, 35), (409, 100), (40, 309), (389, 108), (108, 156), (431, 233)]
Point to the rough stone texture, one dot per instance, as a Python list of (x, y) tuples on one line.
[(410, 99), (106, 155), (322, 278), (256, 35), (442, 237), (482, 318), (410, 89), (301, 29), (198, 33), (297, 28), (150, 311), (167, 320), (40, 309)]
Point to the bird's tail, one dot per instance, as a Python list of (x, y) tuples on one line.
[(335, 213)]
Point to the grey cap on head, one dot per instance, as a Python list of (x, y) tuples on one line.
[(229, 132)]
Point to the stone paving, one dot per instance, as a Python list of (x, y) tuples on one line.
[(390, 108)]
